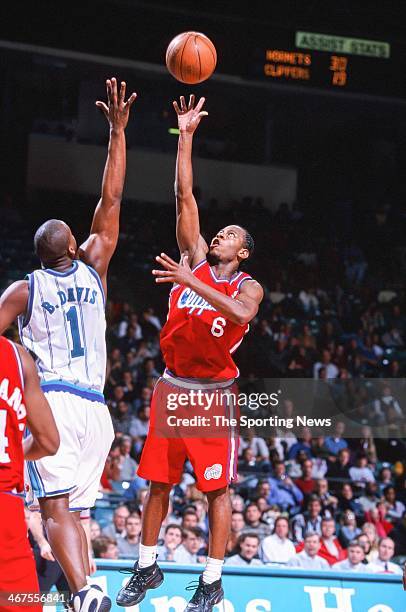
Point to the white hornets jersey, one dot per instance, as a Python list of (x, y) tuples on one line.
[(64, 327)]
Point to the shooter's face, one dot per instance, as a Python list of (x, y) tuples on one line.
[(228, 244)]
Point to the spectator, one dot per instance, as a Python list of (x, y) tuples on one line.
[(192, 542), (370, 497), (309, 521), (304, 444), (347, 501), (361, 473), (257, 445), (278, 548), (140, 424), (376, 516), (331, 370), (334, 444), (355, 561), (386, 402), (122, 419), (370, 553), (237, 526), (127, 466), (329, 502), (383, 564), (384, 478), (254, 522), (116, 529), (172, 539), (395, 509), (330, 547), (349, 530), (339, 469), (308, 557), (369, 530), (306, 483), (95, 530), (105, 548), (129, 545), (189, 519), (248, 544), (284, 492)]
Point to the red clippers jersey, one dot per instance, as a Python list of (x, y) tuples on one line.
[(197, 341), (12, 418)]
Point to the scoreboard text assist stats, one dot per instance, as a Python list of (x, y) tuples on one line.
[(337, 62)]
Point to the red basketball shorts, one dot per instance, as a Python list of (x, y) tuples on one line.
[(17, 565), (199, 423)]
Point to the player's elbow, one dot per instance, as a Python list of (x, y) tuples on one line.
[(50, 443)]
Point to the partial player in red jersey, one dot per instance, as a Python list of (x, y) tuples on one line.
[(210, 307), (21, 402)]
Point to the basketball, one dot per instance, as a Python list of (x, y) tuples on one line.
[(191, 57)]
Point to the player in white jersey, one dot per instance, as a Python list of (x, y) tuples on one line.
[(61, 318)]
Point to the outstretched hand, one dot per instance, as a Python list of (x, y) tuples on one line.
[(189, 116), (178, 273), (116, 110)]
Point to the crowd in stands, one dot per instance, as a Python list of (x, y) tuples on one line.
[(334, 310)]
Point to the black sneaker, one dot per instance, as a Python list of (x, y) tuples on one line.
[(205, 597), (141, 580)]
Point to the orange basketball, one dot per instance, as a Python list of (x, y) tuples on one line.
[(191, 57)]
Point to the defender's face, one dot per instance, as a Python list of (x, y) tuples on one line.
[(228, 243)]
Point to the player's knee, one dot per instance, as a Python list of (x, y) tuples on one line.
[(160, 488), (52, 507), (222, 493)]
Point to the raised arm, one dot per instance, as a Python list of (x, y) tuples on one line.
[(187, 214), (13, 302), (101, 244)]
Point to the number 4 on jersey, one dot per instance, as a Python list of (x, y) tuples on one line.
[(4, 456)]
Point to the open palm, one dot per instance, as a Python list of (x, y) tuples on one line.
[(189, 116)]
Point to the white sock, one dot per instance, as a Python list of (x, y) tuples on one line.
[(212, 571), (147, 555)]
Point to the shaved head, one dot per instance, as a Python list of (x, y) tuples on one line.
[(52, 241)]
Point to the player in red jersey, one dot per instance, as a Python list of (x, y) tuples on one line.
[(211, 305), (21, 402)]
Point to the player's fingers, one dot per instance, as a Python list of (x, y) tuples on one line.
[(165, 280), (184, 260), (176, 107), (203, 114), (131, 99), (199, 105), (102, 106), (183, 103), (166, 264), (168, 259), (191, 101), (108, 88), (114, 89), (162, 273), (122, 91)]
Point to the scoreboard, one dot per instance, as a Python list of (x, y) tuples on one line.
[(335, 62)]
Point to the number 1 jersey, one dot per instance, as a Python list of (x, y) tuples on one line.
[(65, 326), (197, 341)]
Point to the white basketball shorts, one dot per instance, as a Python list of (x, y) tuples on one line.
[(86, 434)]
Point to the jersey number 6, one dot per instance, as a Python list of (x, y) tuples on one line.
[(217, 329)]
